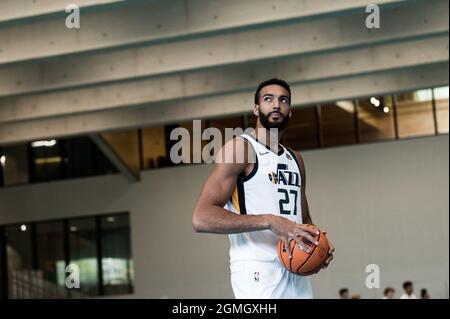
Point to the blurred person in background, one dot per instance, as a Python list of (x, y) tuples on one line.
[(388, 293), (424, 294), (344, 293), (409, 291)]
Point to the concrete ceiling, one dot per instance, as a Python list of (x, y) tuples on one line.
[(141, 63)]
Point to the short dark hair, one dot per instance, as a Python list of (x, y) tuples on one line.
[(407, 284), (342, 291), (388, 290), (423, 292), (270, 82)]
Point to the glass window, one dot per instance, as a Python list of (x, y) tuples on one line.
[(35, 255), (302, 131), (83, 253), (441, 100), (50, 252), (2, 166), (83, 158), (338, 123), (153, 146), (376, 118), (165, 161), (117, 264), (14, 162), (230, 122), (47, 160), (415, 113), (20, 263)]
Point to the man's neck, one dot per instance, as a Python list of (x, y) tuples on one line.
[(269, 137)]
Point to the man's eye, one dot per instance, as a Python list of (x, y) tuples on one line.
[(267, 98), (284, 100)]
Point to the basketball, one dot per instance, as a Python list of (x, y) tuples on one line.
[(302, 263)]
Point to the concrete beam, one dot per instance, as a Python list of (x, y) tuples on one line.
[(158, 21), (224, 105), (23, 11), (222, 80), (318, 36), (115, 159)]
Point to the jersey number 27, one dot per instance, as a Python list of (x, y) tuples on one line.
[(285, 200)]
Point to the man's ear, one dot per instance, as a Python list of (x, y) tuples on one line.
[(290, 113), (256, 110)]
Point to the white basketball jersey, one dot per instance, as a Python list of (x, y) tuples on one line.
[(273, 187)]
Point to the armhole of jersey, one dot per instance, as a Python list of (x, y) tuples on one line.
[(295, 159), (240, 198), (242, 177)]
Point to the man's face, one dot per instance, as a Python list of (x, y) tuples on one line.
[(409, 289), (273, 110), (390, 294), (345, 295)]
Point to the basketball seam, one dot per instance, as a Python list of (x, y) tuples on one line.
[(280, 251), (315, 271), (292, 255), (310, 254)]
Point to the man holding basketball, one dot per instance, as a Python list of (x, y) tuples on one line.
[(259, 200)]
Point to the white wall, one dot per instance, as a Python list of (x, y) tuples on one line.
[(383, 203)]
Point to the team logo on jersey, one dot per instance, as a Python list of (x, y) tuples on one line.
[(284, 177), (256, 276)]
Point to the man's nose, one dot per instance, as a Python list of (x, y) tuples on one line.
[(276, 105)]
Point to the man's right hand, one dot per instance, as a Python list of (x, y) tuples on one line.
[(287, 230)]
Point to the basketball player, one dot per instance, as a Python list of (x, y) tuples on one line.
[(260, 201)]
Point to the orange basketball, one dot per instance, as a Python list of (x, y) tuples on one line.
[(302, 263)]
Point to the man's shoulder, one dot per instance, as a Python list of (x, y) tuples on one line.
[(298, 157), (237, 144), (237, 150)]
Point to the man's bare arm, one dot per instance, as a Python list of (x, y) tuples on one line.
[(210, 216)]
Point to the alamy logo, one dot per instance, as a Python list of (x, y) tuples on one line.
[(373, 279), (190, 147), (73, 277), (73, 19), (373, 19)]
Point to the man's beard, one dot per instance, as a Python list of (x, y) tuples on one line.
[(268, 125)]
